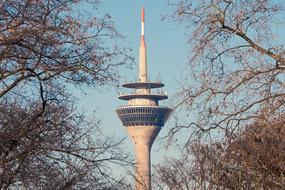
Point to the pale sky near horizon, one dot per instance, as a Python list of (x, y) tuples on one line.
[(166, 55)]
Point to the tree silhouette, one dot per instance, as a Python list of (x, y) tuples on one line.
[(48, 47)]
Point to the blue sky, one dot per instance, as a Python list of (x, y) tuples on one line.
[(167, 55)]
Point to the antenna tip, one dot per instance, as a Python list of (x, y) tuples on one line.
[(142, 14)]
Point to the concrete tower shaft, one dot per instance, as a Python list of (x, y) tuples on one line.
[(143, 117), (143, 137)]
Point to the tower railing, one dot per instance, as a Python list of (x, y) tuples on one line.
[(159, 93)]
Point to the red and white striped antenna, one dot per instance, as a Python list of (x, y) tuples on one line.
[(142, 21)]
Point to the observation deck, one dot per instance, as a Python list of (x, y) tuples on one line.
[(143, 115)]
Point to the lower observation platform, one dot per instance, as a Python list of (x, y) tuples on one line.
[(143, 115)]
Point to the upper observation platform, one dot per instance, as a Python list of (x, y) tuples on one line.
[(146, 85)]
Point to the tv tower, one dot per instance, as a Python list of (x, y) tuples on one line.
[(143, 117)]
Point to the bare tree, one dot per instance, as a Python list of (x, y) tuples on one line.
[(254, 159), (58, 150), (232, 99), (48, 42), (46, 47), (174, 174), (236, 66)]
